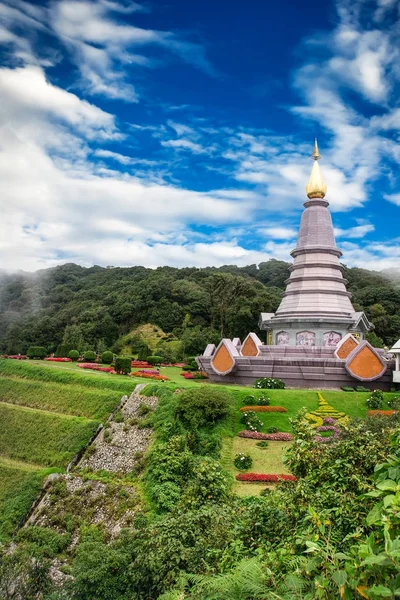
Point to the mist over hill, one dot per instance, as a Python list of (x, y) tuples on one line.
[(96, 306)]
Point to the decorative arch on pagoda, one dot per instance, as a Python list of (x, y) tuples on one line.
[(251, 345), (224, 358), (346, 346), (365, 363)]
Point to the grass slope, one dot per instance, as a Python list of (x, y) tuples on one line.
[(67, 373), (40, 437), (68, 399), (19, 485)]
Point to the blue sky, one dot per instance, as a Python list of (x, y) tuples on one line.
[(180, 132)]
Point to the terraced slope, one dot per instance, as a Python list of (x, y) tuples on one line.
[(46, 417)]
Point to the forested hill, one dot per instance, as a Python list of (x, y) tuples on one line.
[(94, 307)]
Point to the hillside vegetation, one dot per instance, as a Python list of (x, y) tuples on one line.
[(75, 307), (328, 528), (47, 415)]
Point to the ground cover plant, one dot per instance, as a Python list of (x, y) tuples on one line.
[(68, 399), (41, 437), (19, 486)]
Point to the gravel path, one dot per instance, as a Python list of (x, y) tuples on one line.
[(118, 454)]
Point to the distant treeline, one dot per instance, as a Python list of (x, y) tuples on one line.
[(95, 307)]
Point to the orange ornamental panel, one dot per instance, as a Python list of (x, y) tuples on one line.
[(222, 361), (249, 348), (365, 363), (346, 348)]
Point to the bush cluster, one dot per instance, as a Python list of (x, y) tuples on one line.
[(123, 365), (90, 356), (375, 401), (243, 461), (250, 419), (36, 352), (199, 407), (254, 401), (107, 357), (269, 383), (154, 360)]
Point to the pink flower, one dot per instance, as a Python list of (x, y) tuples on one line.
[(265, 477)]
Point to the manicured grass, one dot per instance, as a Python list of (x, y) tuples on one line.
[(351, 403), (68, 399), (40, 437), (71, 374), (265, 460), (19, 485)]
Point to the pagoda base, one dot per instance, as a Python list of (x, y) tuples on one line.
[(298, 367)]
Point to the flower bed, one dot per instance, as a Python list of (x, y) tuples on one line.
[(137, 364), (52, 359), (274, 437), (264, 477), (178, 364), (17, 356), (194, 375), (145, 375), (385, 413), (327, 440), (264, 408), (95, 367)]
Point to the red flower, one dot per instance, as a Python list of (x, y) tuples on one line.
[(52, 359)]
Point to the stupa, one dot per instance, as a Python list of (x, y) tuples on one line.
[(316, 308), (315, 339)]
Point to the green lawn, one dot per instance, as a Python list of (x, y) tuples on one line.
[(265, 460), (68, 399), (40, 437), (351, 403), (19, 485)]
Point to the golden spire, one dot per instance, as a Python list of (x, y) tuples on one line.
[(316, 186)]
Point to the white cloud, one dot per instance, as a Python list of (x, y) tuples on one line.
[(121, 158), (182, 144), (279, 233), (359, 231), (57, 206), (394, 198)]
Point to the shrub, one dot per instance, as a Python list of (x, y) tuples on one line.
[(272, 430), (243, 461), (73, 355), (251, 421), (263, 443), (123, 365), (361, 388), (394, 403), (154, 360), (36, 352), (253, 401), (375, 401), (276, 437), (107, 357), (89, 356), (269, 383), (197, 407), (347, 388)]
